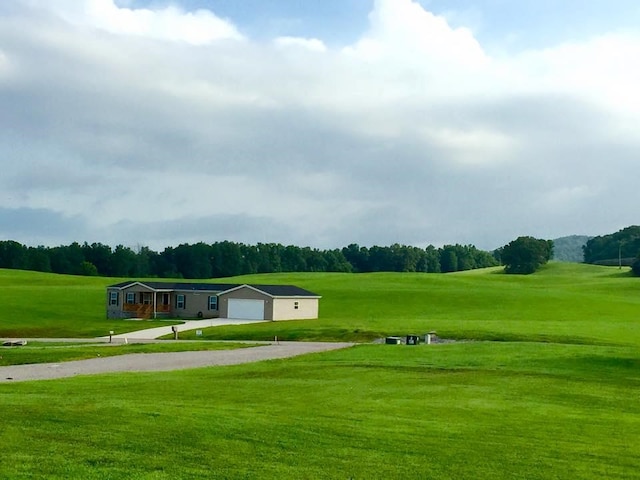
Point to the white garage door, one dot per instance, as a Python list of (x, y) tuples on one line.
[(246, 309)]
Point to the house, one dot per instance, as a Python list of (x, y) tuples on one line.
[(137, 299)]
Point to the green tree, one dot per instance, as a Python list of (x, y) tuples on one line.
[(609, 249), (431, 260), (635, 267), (123, 262), (88, 269), (358, 257), (448, 259), (39, 259), (526, 254), (99, 255), (13, 255)]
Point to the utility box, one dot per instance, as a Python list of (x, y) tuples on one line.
[(430, 338), (413, 339)]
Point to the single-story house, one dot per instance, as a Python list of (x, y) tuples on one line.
[(138, 299)]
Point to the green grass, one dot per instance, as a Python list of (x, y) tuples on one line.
[(561, 303), (567, 303), (456, 411), (64, 352), (555, 397), (40, 305)]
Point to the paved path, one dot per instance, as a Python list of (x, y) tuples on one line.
[(157, 362), (156, 332)]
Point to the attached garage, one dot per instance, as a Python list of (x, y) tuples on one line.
[(245, 309), (268, 302)]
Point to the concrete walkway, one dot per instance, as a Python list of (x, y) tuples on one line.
[(156, 332), (159, 362)]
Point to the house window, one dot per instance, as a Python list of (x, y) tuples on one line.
[(295, 305), (180, 301), (113, 298), (131, 297), (213, 302)]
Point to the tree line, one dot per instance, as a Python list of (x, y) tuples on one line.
[(620, 248), (225, 259)]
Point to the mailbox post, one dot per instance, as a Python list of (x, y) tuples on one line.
[(174, 329), (110, 335)]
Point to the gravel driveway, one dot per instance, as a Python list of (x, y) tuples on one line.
[(159, 362)]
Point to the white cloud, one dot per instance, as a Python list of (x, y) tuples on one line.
[(412, 134), (602, 69), (312, 44), (169, 23)]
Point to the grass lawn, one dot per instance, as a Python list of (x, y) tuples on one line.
[(36, 352), (561, 303), (41, 305), (455, 411), (556, 397), (568, 303)]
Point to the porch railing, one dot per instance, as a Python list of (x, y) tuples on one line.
[(145, 310)]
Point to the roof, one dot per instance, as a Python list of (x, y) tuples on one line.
[(215, 287), (272, 290), (278, 290)]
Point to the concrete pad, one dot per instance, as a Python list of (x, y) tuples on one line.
[(151, 333)]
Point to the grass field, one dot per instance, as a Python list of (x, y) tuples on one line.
[(555, 398), (569, 303), (457, 411), (40, 305)]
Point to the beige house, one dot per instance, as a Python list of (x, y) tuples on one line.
[(137, 299)]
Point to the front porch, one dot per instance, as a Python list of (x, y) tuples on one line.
[(147, 304)]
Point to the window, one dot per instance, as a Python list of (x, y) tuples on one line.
[(213, 302), (295, 305), (113, 298), (131, 297), (180, 301)]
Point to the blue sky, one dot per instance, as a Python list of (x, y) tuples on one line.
[(317, 123), (501, 24)]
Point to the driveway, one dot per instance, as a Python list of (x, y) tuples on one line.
[(156, 332), (162, 362)]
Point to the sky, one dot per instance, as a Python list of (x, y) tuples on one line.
[(319, 122)]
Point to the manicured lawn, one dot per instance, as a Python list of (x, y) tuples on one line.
[(555, 397), (562, 303), (47, 352), (568, 303), (40, 305), (457, 411)]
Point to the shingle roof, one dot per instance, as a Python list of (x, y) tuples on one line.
[(284, 291), (273, 290)]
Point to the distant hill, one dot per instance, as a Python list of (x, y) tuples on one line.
[(569, 249)]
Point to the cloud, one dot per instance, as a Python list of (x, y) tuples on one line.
[(169, 23), (159, 126), (312, 44), (38, 226)]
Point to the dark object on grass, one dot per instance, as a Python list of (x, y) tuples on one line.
[(393, 340), (14, 343), (413, 339)]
